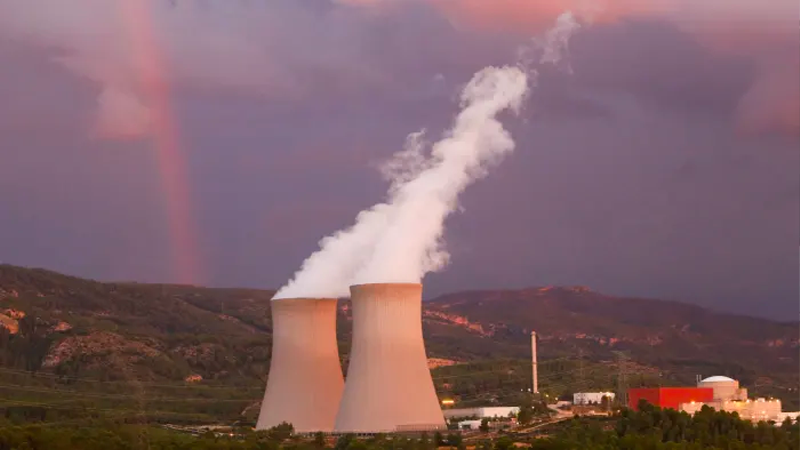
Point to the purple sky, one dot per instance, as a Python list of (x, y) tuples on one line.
[(667, 165)]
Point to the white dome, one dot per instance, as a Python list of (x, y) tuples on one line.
[(717, 379)]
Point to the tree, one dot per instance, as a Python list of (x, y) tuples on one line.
[(425, 442), (484, 425), (503, 443), (281, 432), (525, 415), (319, 440), (344, 441), (455, 440)]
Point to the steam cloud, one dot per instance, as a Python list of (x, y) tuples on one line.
[(401, 240)]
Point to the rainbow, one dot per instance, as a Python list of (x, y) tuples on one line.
[(171, 159)]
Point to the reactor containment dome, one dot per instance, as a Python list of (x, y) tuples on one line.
[(305, 380), (389, 386)]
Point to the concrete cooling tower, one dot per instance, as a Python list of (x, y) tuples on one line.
[(305, 380), (389, 386)]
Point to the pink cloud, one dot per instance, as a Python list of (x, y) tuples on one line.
[(256, 49), (121, 115), (766, 32)]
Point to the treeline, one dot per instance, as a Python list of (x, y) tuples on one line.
[(105, 435), (652, 428), (649, 429)]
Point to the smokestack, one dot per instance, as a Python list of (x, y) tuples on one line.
[(389, 386), (533, 361), (305, 376)]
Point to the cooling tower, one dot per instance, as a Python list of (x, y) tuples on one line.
[(305, 376), (389, 386)]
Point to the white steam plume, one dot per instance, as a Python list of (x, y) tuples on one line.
[(401, 240)]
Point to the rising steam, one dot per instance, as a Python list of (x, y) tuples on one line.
[(401, 240)]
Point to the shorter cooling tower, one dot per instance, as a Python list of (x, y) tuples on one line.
[(305, 380), (389, 386)]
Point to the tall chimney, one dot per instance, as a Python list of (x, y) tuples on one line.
[(305, 375), (535, 377), (389, 386)]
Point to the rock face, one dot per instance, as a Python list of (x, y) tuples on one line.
[(15, 314), (97, 347), (62, 326), (193, 378), (9, 323), (440, 362)]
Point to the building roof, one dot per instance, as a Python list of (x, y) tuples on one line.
[(716, 379)]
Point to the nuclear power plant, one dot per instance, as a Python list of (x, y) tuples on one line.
[(389, 386), (305, 375)]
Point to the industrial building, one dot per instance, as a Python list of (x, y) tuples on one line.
[(718, 392), (728, 396), (305, 380), (669, 397), (591, 398), (482, 412), (389, 386), (470, 424)]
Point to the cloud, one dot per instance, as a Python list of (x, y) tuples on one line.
[(139, 51), (298, 50), (121, 114), (534, 16), (768, 33)]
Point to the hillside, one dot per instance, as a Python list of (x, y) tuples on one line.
[(665, 334), (203, 353)]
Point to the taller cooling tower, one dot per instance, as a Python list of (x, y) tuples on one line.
[(389, 386), (305, 376)]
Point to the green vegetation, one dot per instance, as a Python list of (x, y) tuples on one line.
[(104, 435), (649, 429), (656, 429)]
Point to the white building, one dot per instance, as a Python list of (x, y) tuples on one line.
[(482, 412), (591, 398), (728, 396), (469, 424), (724, 388)]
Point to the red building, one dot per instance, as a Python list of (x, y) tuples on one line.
[(669, 397)]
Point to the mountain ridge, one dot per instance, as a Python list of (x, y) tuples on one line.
[(74, 327)]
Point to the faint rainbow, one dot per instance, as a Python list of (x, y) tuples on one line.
[(137, 16)]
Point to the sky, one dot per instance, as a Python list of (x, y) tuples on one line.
[(216, 142)]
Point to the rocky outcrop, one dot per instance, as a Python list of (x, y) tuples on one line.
[(9, 324), (98, 347)]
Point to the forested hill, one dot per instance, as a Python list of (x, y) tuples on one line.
[(77, 328), (571, 318)]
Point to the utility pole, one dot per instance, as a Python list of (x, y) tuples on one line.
[(622, 378)]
